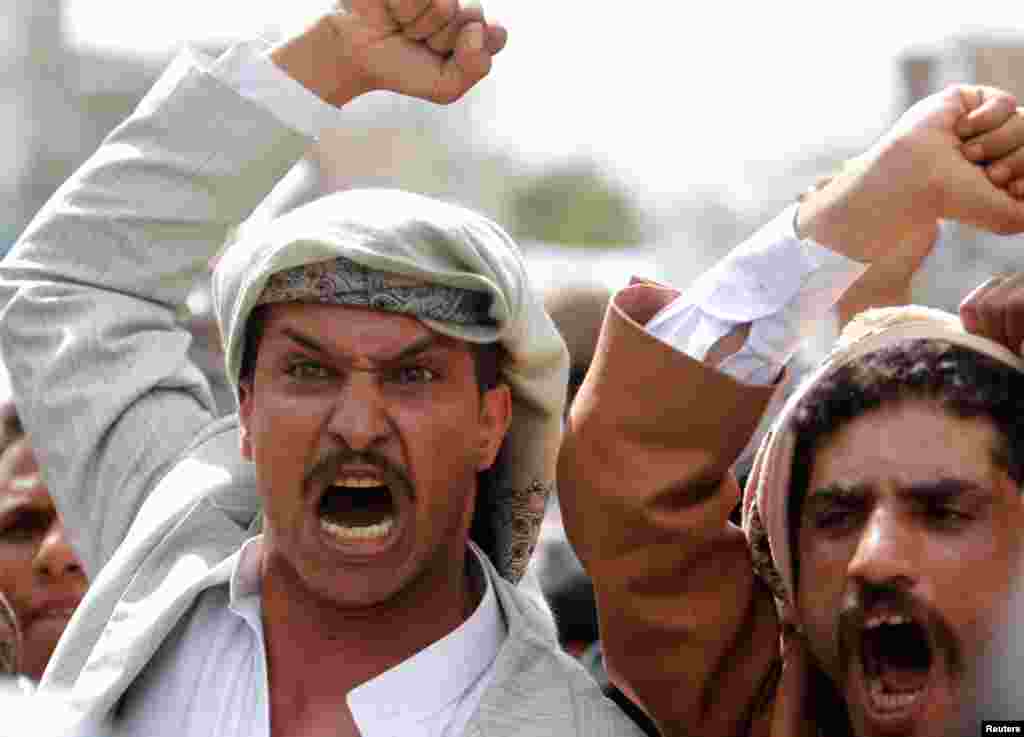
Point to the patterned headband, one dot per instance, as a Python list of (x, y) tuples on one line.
[(344, 282)]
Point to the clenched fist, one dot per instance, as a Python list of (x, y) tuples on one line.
[(435, 50), (924, 169)]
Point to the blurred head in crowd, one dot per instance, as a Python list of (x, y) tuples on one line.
[(578, 311), (40, 574), (10, 639), (568, 591), (902, 541)]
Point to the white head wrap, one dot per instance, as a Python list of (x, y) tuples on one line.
[(432, 243)]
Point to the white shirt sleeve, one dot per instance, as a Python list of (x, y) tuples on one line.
[(779, 284), (246, 69)]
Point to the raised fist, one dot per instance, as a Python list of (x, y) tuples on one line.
[(435, 50)]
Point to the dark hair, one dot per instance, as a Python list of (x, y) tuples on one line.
[(964, 382), (488, 358), (251, 343)]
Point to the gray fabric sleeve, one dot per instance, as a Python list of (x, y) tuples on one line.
[(97, 361)]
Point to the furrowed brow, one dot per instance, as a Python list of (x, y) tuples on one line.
[(304, 340), (421, 345), (418, 346)]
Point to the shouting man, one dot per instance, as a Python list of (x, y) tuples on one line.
[(400, 393), (881, 520)]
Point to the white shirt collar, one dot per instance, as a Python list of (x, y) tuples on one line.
[(244, 584), (422, 685), (438, 675)]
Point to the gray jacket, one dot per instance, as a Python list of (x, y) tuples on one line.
[(154, 490)]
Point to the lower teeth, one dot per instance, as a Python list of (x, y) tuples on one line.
[(888, 700), (368, 532)]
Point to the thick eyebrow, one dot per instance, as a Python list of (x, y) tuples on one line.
[(945, 488), (418, 346), (835, 493), (303, 340)]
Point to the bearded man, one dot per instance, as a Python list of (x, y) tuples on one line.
[(400, 394), (881, 520)]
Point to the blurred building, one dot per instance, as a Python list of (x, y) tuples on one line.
[(964, 256), (31, 58), (56, 103), (985, 57)]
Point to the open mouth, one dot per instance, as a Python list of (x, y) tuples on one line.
[(897, 656), (357, 508)]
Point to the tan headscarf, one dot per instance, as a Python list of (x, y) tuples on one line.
[(430, 242)]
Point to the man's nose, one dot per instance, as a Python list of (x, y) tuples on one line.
[(359, 415), (887, 551), (55, 557)]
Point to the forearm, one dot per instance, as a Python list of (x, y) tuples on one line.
[(857, 214), (646, 495)]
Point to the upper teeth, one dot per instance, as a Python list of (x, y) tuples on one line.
[(879, 619), (358, 482)]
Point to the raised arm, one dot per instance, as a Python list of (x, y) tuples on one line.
[(89, 293), (644, 475), (646, 496)]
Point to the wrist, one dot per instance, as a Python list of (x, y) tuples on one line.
[(316, 59), (858, 212)]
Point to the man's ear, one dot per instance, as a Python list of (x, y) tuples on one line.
[(245, 401), (495, 417)]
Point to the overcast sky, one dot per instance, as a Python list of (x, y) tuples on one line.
[(676, 95)]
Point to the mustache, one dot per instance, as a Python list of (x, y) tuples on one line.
[(897, 600), (329, 464)]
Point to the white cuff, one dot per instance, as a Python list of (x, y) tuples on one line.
[(246, 68), (781, 285)]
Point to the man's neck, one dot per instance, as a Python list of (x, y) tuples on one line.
[(354, 645)]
